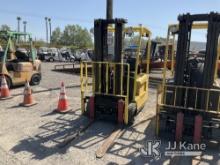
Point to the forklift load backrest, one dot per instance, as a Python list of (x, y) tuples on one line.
[(112, 75), (101, 51)]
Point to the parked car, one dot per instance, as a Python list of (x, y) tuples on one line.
[(42, 52), (77, 56), (85, 56), (91, 54), (67, 55), (54, 55)]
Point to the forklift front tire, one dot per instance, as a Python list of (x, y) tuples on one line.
[(132, 111), (35, 79)]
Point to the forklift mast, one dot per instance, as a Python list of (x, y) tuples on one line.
[(101, 37), (183, 45), (101, 45), (206, 72)]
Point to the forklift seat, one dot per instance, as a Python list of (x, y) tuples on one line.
[(21, 56), (131, 61)]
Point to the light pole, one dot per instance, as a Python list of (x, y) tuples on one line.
[(49, 21), (46, 29), (25, 23), (18, 19)]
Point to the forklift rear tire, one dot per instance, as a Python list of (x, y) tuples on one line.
[(8, 80), (35, 79)]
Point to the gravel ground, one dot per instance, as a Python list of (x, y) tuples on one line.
[(33, 135)]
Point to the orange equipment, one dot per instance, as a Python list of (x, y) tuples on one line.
[(5, 93), (28, 99), (63, 102)]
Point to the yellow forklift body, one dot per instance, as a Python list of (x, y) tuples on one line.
[(139, 92), (16, 66), (142, 90), (22, 71)]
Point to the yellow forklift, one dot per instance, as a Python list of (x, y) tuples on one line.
[(115, 86), (188, 105), (171, 35), (18, 61)]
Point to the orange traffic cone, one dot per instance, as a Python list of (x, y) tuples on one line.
[(5, 93), (62, 103), (28, 99)]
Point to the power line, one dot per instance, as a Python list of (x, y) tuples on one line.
[(27, 14)]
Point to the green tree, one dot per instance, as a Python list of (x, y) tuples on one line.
[(5, 27), (68, 35), (56, 36), (75, 35), (83, 38), (39, 43)]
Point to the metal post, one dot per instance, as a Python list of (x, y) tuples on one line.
[(18, 19), (109, 9), (46, 22), (25, 23), (137, 60), (166, 57), (49, 21), (172, 55), (119, 25)]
